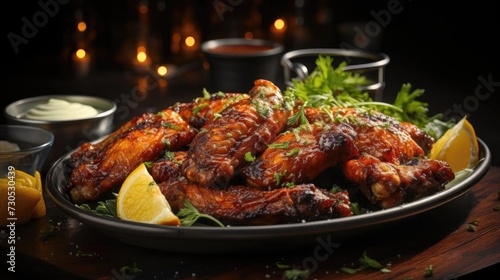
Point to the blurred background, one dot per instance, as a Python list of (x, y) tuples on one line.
[(146, 54)]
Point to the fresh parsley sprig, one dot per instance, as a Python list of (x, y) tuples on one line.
[(105, 208), (328, 87), (189, 215)]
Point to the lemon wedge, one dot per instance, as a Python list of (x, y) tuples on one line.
[(140, 200), (21, 198), (458, 146)]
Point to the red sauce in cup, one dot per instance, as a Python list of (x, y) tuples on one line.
[(239, 49)]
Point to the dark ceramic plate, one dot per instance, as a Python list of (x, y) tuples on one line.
[(210, 239)]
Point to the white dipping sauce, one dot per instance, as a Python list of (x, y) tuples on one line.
[(6, 147), (57, 110)]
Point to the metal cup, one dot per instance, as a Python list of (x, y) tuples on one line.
[(235, 63), (297, 63)]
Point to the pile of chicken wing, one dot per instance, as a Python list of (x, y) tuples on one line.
[(239, 158)]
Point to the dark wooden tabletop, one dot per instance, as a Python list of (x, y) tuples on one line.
[(439, 238)]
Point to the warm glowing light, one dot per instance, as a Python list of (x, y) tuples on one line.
[(162, 70), (141, 56), (82, 26), (143, 9), (80, 53), (190, 41), (279, 24), (248, 35)]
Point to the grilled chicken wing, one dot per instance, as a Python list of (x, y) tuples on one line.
[(391, 167), (389, 185), (88, 152), (300, 155), (218, 150), (203, 109), (377, 134), (243, 205), (141, 141)]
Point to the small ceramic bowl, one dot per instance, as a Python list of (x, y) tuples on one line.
[(71, 132)]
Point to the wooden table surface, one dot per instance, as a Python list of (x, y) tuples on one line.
[(438, 237)]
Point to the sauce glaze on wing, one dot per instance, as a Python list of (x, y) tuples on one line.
[(217, 152), (202, 109), (298, 156), (142, 141), (243, 205)]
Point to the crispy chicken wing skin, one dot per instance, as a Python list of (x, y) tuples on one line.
[(391, 167), (389, 185), (377, 134), (218, 150), (88, 152), (243, 205), (424, 140), (300, 155), (145, 140), (203, 109)]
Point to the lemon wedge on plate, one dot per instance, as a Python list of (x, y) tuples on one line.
[(458, 146), (140, 200), (26, 197)]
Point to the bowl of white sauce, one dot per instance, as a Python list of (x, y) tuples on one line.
[(73, 119)]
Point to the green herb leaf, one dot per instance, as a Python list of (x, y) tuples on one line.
[(282, 145), (329, 87), (105, 208), (293, 152), (364, 263), (349, 270), (133, 269), (81, 254), (189, 215), (46, 233), (429, 271), (249, 157), (365, 260), (296, 274), (282, 265)]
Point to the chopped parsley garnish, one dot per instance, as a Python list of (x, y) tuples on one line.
[(46, 233), (472, 226), (364, 263), (429, 271), (293, 152), (249, 157), (282, 145), (133, 269)]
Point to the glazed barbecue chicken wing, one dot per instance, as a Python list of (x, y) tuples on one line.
[(298, 156), (143, 139), (391, 167), (388, 184), (217, 152), (201, 110), (243, 205)]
